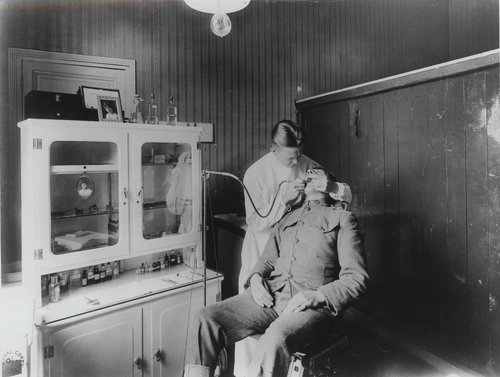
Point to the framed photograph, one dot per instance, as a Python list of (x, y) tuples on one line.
[(109, 109), (85, 186), (90, 95)]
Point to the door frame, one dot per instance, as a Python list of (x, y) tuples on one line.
[(16, 58)]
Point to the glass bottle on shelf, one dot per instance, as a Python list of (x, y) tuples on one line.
[(171, 112), (137, 115), (90, 276), (54, 289), (116, 270), (102, 273), (153, 117), (97, 274), (84, 278), (109, 272)]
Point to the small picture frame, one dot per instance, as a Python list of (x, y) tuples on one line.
[(89, 95), (85, 186), (109, 109)]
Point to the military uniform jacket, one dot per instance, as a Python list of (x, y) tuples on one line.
[(315, 247)]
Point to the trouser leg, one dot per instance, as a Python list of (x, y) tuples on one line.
[(222, 324), (284, 336)]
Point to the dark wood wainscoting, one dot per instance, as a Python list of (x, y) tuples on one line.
[(421, 152)]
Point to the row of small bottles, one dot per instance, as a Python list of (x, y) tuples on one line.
[(62, 281), (153, 115), (171, 259)]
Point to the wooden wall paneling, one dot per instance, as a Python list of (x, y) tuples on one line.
[(456, 180), (445, 138), (493, 130), (456, 218), (344, 123), (406, 181), (334, 133), (323, 134), (477, 217), (463, 26), (390, 257), (439, 276), (355, 175), (376, 226), (419, 130)]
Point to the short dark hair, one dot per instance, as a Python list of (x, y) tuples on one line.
[(286, 133)]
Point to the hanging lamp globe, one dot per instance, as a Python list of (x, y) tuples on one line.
[(220, 24)]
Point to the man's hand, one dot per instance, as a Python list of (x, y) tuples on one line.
[(322, 182), (294, 191), (260, 292), (305, 300)]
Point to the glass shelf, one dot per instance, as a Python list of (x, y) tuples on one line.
[(155, 205), (75, 215)]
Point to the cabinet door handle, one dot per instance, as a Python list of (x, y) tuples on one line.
[(157, 354), (138, 362)]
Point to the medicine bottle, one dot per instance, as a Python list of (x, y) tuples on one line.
[(109, 272), (153, 116), (84, 278), (90, 276), (97, 274), (102, 273), (116, 270), (54, 289), (171, 112)]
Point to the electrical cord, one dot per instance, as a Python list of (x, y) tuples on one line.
[(248, 193)]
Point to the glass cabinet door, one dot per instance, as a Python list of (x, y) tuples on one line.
[(165, 203), (75, 193), (167, 189), (84, 196)]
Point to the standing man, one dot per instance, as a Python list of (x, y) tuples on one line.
[(281, 173)]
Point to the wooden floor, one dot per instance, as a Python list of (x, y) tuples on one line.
[(367, 356)]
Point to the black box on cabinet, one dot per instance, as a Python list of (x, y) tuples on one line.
[(51, 105)]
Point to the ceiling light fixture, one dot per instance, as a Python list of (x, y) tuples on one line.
[(220, 23)]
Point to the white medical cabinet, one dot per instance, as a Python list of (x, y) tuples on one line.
[(122, 201)]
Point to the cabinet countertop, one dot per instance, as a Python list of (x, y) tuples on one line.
[(129, 287)]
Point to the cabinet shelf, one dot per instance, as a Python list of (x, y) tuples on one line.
[(59, 216), (79, 169), (171, 162), (155, 205)]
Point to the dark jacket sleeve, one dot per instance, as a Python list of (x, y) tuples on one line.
[(353, 276)]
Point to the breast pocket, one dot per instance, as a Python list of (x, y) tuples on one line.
[(326, 226)]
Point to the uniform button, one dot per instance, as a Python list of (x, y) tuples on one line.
[(290, 276), (297, 240), (293, 259)]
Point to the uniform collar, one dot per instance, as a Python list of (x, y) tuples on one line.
[(317, 202)]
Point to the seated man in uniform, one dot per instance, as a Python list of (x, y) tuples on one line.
[(312, 269)]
